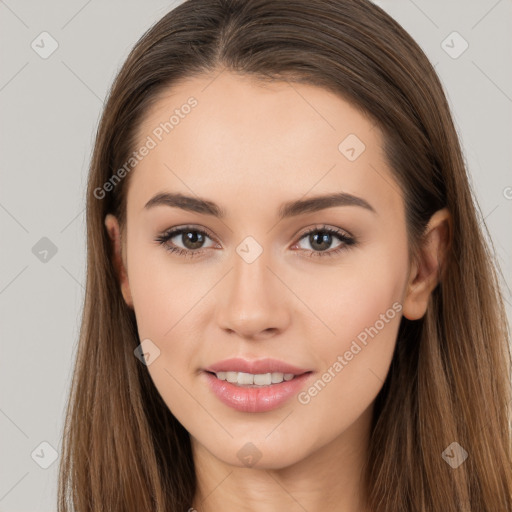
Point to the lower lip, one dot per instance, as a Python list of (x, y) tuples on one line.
[(261, 399)]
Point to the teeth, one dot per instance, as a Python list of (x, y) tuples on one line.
[(276, 377), (263, 379), (249, 379), (245, 378), (230, 376)]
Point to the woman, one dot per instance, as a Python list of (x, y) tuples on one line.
[(290, 303)]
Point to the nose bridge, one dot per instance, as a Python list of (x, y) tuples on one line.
[(252, 301), (251, 278)]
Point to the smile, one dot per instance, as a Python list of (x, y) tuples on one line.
[(254, 380)]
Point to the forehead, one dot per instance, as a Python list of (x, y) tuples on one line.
[(233, 133)]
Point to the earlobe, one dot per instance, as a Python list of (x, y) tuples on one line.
[(426, 269), (114, 233)]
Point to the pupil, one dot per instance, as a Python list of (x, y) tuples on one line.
[(191, 237), (326, 238)]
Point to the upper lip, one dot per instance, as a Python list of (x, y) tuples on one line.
[(256, 367)]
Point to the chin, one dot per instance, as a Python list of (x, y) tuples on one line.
[(258, 452)]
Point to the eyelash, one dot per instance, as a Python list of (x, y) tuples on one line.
[(348, 241)]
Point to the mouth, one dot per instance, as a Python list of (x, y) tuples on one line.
[(251, 380), (255, 385)]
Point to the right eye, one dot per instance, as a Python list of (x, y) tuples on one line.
[(190, 236)]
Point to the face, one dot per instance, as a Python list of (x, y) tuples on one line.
[(314, 296)]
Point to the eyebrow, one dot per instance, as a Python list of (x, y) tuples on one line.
[(287, 210)]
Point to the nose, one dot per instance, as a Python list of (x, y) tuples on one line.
[(253, 302)]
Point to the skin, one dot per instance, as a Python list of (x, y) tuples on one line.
[(249, 147)]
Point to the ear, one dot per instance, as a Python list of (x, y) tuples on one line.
[(426, 269), (112, 225)]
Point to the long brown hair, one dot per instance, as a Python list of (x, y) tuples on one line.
[(449, 380)]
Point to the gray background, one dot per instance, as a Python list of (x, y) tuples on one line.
[(49, 113)]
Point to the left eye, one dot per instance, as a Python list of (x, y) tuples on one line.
[(321, 237), (193, 240)]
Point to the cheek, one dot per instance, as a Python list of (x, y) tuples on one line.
[(361, 305), (164, 295), (353, 366), (352, 296), (162, 292), (167, 297)]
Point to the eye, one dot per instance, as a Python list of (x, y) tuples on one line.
[(191, 238), (321, 237)]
